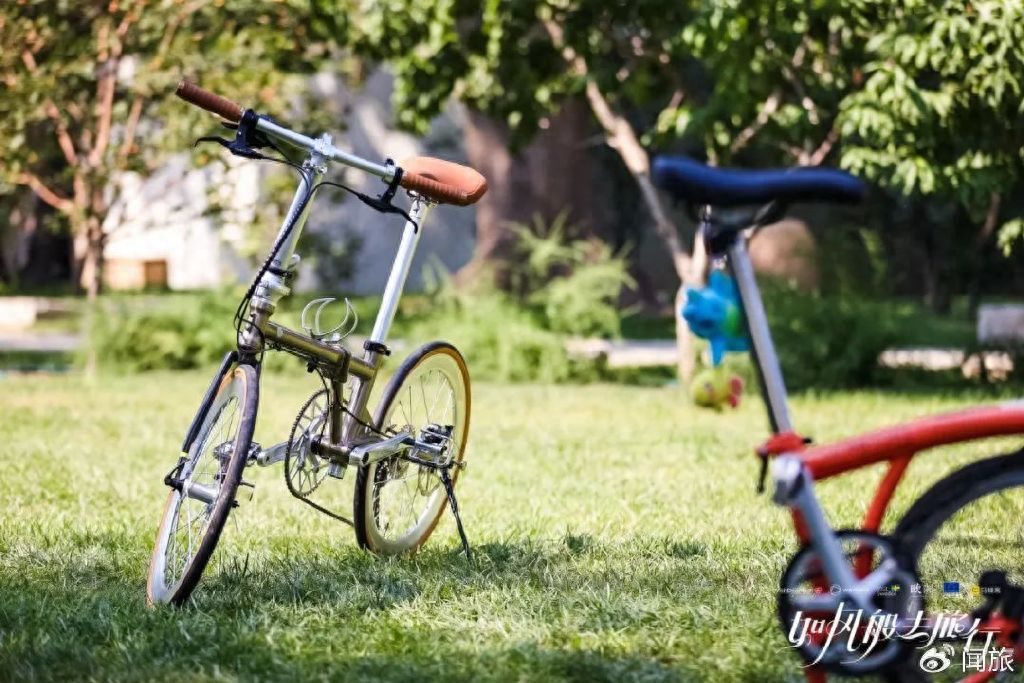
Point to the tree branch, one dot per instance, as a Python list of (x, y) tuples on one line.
[(122, 28), (67, 146), (817, 156), (29, 60), (995, 200), (106, 84), (62, 204), (796, 62), (135, 112), (770, 106), (621, 137), (64, 141), (130, 127), (678, 96)]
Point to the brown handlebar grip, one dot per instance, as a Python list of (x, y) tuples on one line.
[(204, 99), (435, 191)]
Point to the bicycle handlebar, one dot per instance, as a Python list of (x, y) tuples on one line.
[(421, 183), (204, 99), (232, 112)]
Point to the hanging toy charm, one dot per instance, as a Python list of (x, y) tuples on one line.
[(716, 388), (714, 313)]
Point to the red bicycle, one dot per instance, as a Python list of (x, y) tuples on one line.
[(856, 601)]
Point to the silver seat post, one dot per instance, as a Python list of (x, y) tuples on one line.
[(794, 486), (399, 271), (760, 336)]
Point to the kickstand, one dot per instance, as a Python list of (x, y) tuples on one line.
[(449, 488)]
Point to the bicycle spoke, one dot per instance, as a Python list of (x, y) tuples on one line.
[(191, 517), (406, 496), (441, 383)]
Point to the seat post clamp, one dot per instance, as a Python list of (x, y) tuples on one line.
[(376, 347)]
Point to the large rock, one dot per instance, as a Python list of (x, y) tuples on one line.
[(786, 250)]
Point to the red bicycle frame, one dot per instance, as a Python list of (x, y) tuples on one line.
[(798, 465), (897, 445)]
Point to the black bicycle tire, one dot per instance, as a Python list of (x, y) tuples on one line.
[(359, 512), (936, 506), (229, 488)]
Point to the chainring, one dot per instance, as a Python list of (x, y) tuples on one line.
[(847, 655), (304, 471)]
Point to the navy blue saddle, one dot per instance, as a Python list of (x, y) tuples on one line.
[(693, 181)]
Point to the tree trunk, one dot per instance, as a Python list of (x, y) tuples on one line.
[(79, 251), (23, 220), (980, 252), (686, 347), (542, 180), (87, 256), (689, 267), (92, 268)]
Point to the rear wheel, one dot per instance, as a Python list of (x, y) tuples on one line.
[(198, 506), (967, 524), (397, 502)]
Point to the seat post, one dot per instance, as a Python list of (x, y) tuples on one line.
[(763, 348), (400, 270)]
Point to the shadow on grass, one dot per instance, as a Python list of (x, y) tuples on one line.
[(72, 607), (575, 563)]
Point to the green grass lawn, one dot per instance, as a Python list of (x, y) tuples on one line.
[(617, 536)]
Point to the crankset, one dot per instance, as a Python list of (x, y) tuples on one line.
[(304, 469), (838, 628)]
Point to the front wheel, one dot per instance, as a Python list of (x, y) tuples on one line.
[(397, 502), (204, 489)]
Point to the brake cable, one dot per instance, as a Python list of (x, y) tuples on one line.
[(248, 139), (246, 144)]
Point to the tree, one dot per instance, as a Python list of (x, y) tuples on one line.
[(548, 178), (923, 99), (520, 63), (776, 74), (87, 86), (941, 118)]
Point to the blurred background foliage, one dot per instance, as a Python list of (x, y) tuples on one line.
[(563, 103)]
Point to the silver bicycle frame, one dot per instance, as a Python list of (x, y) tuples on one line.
[(760, 337), (348, 428), (399, 272), (793, 485)]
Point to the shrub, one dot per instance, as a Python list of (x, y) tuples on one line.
[(174, 332), (502, 341), (572, 285), (829, 342), (558, 286)]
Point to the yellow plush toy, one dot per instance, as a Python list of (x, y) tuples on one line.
[(715, 388)]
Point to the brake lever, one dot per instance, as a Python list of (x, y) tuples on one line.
[(234, 146), (247, 138)]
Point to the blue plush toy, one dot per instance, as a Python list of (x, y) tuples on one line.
[(714, 313)]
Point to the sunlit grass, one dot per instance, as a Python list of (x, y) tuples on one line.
[(617, 536)]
